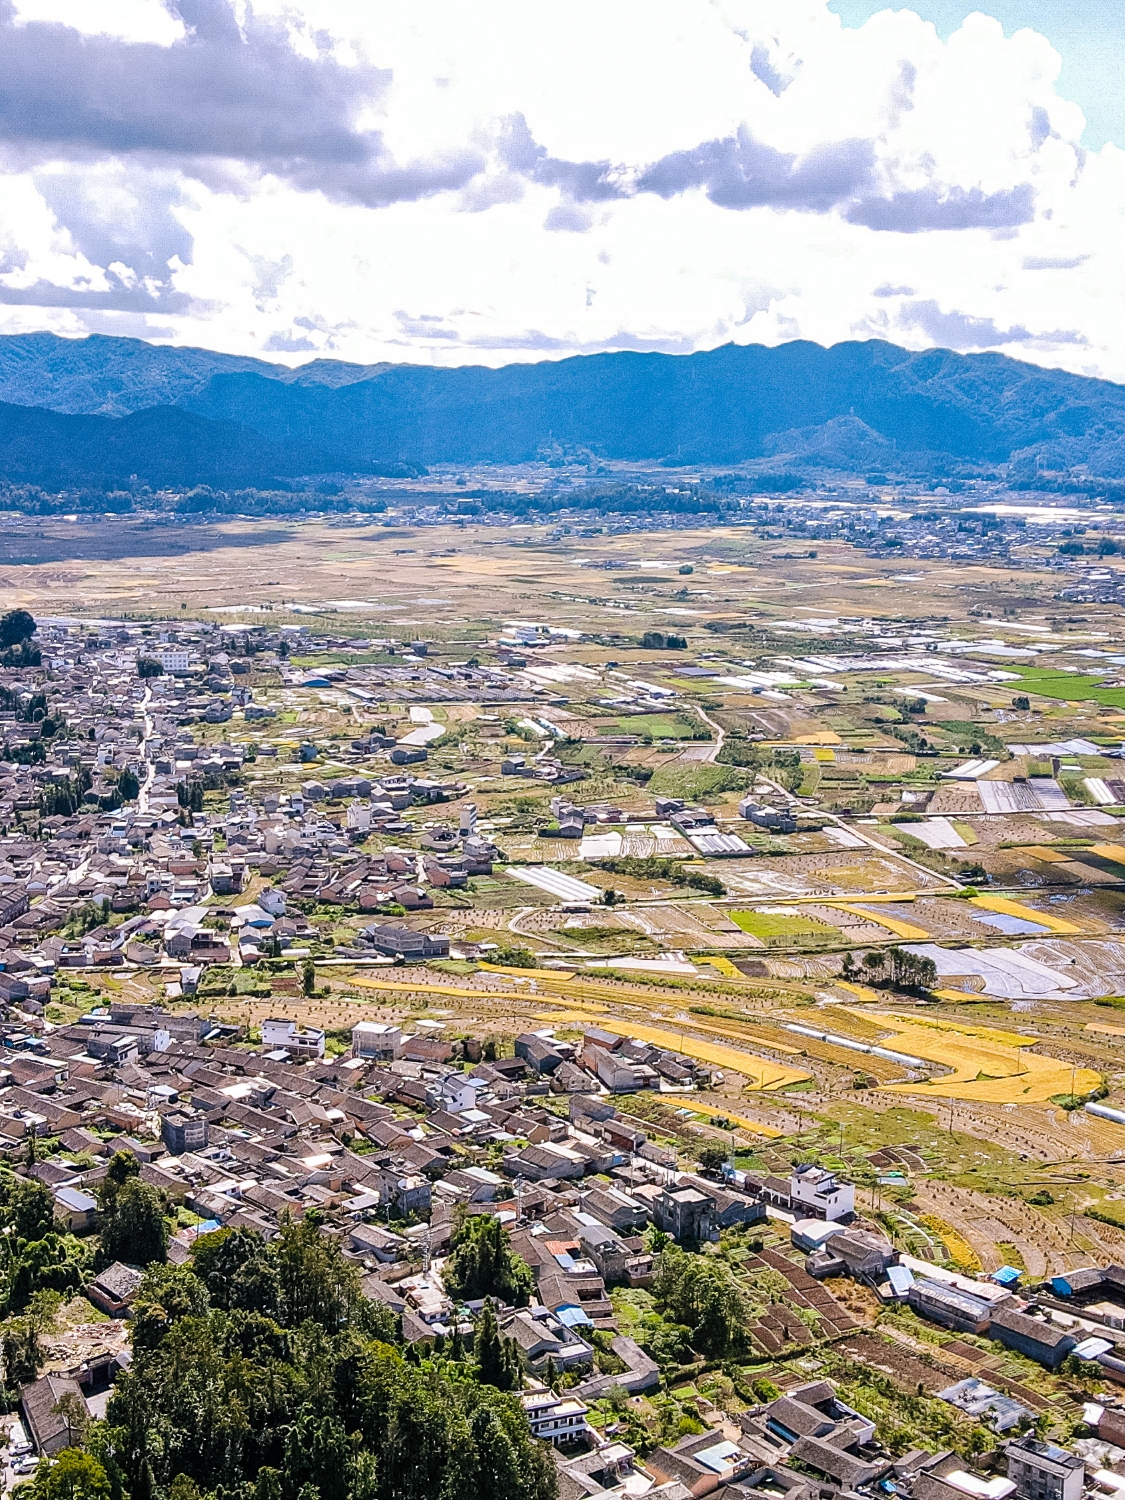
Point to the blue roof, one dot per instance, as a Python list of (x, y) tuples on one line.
[(718, 1458), (1006, 1276)]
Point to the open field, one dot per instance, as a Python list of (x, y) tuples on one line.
[(988, 1065), (814, 704)]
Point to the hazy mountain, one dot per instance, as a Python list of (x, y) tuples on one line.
[(845, 407), (112, 377), (163, 448), (721, 406)]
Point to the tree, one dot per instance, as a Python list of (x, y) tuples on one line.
[(76, 1414), (189, 795), (497, 1472), (308, 978), (498, 1361), (233, 1405), (128, 785), (238, 1271), (16, 626), (73, 1475), (423, 1444), (32, 1210), (166, 1294), (21, 1351), (317, 1452), (147, 666), (900, 969), (482, 1262), (134, 1229), (712, 1159), (701, 1293), (315, 1281)]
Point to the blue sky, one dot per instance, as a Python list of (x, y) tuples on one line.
[(1088, 34)]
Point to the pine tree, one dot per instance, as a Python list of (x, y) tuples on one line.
[(497, 1357)]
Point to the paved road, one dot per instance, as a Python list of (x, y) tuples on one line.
[(150, 766), (720, 735)]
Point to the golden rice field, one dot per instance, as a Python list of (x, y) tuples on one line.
[(905, 930), (989, 1066), (1004, 907)]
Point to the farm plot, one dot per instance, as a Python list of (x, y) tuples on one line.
[(684, 925), (759, 1072), (876, 917), (986, 1064), (987, 1222)]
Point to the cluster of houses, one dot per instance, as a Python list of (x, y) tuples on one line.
[(394, 1138), (388, 1142), (808, 1444), (1077, 1314)]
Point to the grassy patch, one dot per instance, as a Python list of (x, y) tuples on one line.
[(1071, 687), (949, 1155), (696, 783), (659, 726), (773, 928)]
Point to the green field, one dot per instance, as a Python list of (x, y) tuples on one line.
[(772, 928), (660, 726), (1070, 687), (696, 783)]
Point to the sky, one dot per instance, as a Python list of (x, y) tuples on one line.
[(481, 181)]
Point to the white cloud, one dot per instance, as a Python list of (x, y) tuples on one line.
[(483, 180)]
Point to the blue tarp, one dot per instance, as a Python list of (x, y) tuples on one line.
[(573, 1317)]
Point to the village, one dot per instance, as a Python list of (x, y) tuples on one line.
[(754, 1018)]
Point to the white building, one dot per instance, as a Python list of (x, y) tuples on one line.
[(819, 1194), (555, 1419), (296, 1040), (175, 661)]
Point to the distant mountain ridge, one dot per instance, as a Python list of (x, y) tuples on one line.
[(162, 447), (722, 406), (844, 407)]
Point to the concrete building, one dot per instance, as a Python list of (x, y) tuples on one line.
[(555, 1419), (819, 1194), (298, 1041), (181, 1133), (1040, 1471), (376, 1039)]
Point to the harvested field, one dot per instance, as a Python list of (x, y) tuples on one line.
[(987, 1065), (905, 930)]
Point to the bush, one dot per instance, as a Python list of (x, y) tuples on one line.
[(514, 958)]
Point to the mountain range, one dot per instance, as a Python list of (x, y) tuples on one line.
[(102, 411)]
